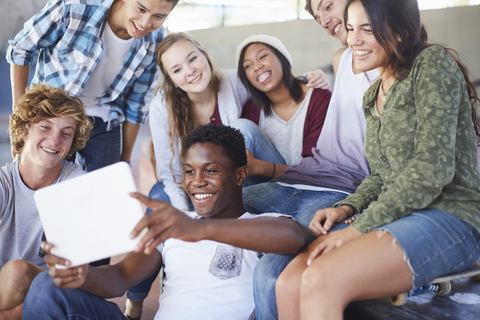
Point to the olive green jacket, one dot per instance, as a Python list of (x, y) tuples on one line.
[(422, 150)]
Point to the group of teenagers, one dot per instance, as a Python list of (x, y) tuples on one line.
[(276, 198)]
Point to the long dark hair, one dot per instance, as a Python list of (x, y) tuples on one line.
[(260, 99), (403, 19)]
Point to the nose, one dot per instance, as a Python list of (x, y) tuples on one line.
[(353, 39), (146, 21), (191, 70), (54, 138), (257, 66), (324, 20), (198, 179)]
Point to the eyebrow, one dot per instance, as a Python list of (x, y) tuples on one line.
[(319, 5), (188, 55), (146, 9), (256, 54), (51, 123)]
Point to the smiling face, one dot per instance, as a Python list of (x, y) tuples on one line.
[(187, 67), (368, 52), (140, 17), (262, 67), (329, 13), (48, 142), (212, 183)]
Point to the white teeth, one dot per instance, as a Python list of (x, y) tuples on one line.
[(336, 28), (49, 150), (203, 195), (196, 79), (359, 52), (263, 76), (138, 27)]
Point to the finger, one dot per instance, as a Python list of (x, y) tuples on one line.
[(154, 236), (53, 260), (331, 220), (66, 281), (316, 227), (316, 252), (143, 199)]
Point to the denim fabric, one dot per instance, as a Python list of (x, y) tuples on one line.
[(102, 149), (47, 301), (258, 145), (447, 243), (435, 243), (301, 205)]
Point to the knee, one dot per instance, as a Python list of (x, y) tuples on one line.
[(17, 275), (316, 279), (246, 127), (158, 192)]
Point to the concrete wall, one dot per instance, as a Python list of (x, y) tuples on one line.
[(311, 47), (308, 44)]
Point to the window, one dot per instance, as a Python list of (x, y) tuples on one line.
[(204, 14)]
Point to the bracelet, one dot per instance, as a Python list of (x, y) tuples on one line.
[(354, 209), (274, 170)]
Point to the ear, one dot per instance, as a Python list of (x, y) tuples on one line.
[(242, 174)]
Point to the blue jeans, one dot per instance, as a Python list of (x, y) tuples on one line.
[(258, 145), (102, 149), (47, 301), (301, 205)]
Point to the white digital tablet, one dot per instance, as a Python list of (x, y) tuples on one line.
[(90, 217)]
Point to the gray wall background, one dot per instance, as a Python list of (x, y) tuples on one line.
[(308, 43)]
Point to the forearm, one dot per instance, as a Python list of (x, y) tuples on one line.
[(129, 135), (19, 82), (263, 234), (266, 169), (114, 280), (105, 281)]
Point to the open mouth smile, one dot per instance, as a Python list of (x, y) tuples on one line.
[(196, 80), (261, 78), (49, 150), (201, 196)]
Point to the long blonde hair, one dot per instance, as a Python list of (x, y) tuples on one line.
[(179, 105)]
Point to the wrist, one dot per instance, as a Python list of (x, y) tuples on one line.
[(350, 210)]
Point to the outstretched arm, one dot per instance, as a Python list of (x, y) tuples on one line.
[(106, 281), (263, 234)]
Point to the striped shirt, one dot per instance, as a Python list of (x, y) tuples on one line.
[(65, 38)]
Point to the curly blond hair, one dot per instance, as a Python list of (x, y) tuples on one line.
[(43, 101)]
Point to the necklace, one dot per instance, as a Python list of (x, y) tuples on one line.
[(383, 91)]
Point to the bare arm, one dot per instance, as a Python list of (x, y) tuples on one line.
[(19, 82), (264, 234), (129, 135), (336, 59), (105, 281), (257, 167)]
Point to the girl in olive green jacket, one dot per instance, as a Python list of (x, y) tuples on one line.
[(420, 206)]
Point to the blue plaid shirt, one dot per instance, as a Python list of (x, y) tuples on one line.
[(66, 35)]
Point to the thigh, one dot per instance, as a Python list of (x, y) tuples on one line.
[(266, 197), (103, 148), (47, 301)]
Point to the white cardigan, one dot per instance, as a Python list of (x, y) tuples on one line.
[(231, 98)]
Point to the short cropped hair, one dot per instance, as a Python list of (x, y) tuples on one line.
[(43, 101), (230, 139)]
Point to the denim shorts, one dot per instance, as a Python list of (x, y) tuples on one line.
[(435, 243)]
